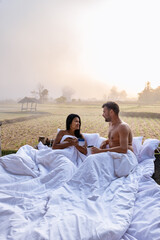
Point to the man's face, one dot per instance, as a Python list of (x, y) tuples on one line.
[(106, 114)]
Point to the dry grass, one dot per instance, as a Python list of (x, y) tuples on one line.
[(18, 133)]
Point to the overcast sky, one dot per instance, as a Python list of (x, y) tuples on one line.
[(89, 45)]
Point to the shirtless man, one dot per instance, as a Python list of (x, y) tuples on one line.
[(119, 136)]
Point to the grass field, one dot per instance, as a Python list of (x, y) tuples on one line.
[(20, 128)]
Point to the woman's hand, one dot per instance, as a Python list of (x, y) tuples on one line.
[(72, 141)]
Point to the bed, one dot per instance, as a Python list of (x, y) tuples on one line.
[(62, 195)]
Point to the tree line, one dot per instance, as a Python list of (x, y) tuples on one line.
[(149, 95)]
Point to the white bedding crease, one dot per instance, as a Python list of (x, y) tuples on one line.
[(50, 194)]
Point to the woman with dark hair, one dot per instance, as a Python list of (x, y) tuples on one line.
[(70, 136)]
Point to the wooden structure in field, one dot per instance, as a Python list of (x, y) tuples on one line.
[(28, 104)]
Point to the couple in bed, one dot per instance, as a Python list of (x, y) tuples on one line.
[(119, 134)]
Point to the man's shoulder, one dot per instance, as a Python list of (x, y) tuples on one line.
[(124, 125)]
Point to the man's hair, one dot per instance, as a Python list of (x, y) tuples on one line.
[(112, 105)]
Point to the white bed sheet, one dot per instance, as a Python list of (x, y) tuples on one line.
[(45, 194)]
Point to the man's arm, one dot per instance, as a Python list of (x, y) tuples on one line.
[(104, 144), (123, 142)]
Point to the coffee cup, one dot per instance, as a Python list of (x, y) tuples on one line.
[(81, 142), (89, 148)]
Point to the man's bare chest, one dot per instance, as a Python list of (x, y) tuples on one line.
[(113, 133)]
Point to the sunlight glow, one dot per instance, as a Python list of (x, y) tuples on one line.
[(98, 43), (121, 44)]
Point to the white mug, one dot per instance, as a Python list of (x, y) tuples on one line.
[(89, 150), (81, 142)]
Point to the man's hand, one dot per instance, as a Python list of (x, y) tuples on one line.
[(95, 150), (104, 144)]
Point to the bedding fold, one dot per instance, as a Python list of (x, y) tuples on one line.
[(58, 194)]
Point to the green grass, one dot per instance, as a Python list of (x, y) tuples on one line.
[(6, 152)]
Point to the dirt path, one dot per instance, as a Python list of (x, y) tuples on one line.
[(21, 119)]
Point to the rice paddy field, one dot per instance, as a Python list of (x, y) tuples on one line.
[(20, 128)]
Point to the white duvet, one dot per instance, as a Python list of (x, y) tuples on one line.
[(64, 195)]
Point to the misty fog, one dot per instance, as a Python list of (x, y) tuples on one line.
[(84, 45)]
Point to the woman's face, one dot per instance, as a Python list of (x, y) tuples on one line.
[(75, 124)]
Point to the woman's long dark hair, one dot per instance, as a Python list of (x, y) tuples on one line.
[(69, 121)]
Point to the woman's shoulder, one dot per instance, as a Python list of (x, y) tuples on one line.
[(82, 136), (62, 132), (60, 135)]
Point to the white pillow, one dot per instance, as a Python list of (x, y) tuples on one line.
[(137, 145), (100, 140), (92, 139), (148, 148), (142, 151)]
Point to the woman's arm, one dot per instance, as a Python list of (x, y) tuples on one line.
[(57, 144), (82, 149), (67, 143), (74, 142)]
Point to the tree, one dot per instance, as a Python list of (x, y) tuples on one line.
[(146, 96), (44, 96), (149, 95), (61, 100), (115, 95), (67, 92), (41, 94), (157, 94), (122, 95)]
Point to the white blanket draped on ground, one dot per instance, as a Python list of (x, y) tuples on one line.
[(63, 195)]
